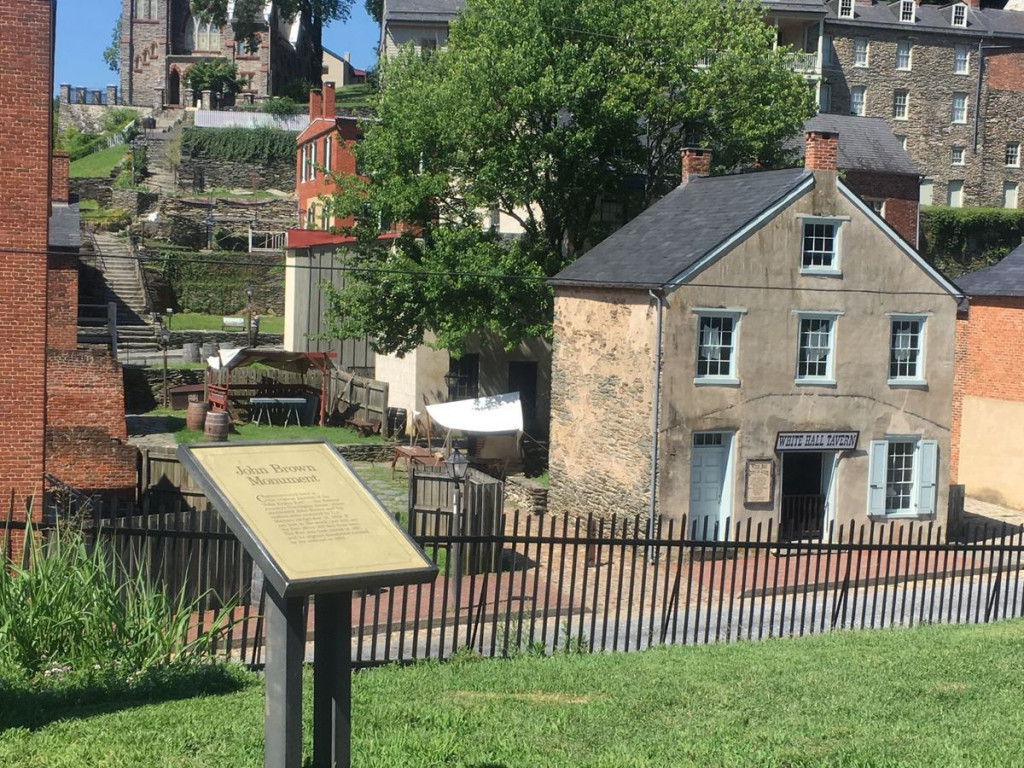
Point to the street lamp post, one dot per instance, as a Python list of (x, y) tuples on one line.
[(248, 310), (456, 464)]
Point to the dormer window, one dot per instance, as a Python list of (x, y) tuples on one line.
[(846, 9), (960, 15), (907, 11)]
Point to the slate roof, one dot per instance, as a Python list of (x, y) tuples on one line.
[(65, 226), (422, 10), (816, 7), (1003, 279), (933, 18), (865, 144), (675, 232)]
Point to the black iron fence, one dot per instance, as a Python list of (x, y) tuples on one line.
[(584, 585)]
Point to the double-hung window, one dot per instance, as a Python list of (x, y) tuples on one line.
[(304, 163), (1013, 154), (902, 476), (858, 100), (906, 350), (907, 11), (961, 60), (903, 55), (819, 249), (900, 104), (312, 161), (463, 377), (717, 345), (956, 155), (860, 52), (959, 113), (846, 9), (816, 338), (959, 15), (328, 151)]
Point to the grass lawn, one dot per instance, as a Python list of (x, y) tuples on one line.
[(98, 164), (355, 95), (934, 696), (193, 321), (248, 431)]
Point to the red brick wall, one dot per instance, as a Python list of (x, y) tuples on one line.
[(960, 381), (821, 151), (61, 169), (1005, 71), (62, 315), (343, 163), (901, 196), (989, 350), (26, 40), (92, 461), (85, 389)]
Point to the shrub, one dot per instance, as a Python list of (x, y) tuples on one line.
[(257, 146), (282, 105), (961, 240), (217, 75), (73, 609)]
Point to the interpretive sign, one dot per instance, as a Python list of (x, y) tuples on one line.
[(760, 485), (305, 516), (314, 529), (816, 441)]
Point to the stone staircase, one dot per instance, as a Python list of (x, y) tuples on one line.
[(161, 177), (123, 288)]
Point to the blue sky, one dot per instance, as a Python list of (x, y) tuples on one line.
[(84, 26)]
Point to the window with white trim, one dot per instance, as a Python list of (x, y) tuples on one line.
[(902, 140), (328, 152), (717, 337), (816, 348), (900, 104), (956, 155), (1013, 154), (846, 9), (819, 249), (902, 476), (961, 60), (959, 112), (860, 52), (906, 349), (1010, 194), (927, 192), (955, 193), (858, 100), (827, 57), (903, 48), (304, 163), (907, 11), (960, 15), (312, 161)]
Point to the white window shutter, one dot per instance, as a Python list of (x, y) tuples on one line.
[(928, 474), (878, 455)]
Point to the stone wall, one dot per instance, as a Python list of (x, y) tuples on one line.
[(92, 189), (602, 389), (278, 174), (133, 201), (182, 220), (1002, 123), (87, 118), (527, 495)]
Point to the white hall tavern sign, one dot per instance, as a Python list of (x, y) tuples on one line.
[(816, 441)]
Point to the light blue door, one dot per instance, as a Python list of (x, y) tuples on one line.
[(708, 461)]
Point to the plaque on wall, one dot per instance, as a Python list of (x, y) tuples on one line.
[(816, 441), (760, 481), (305, 517)]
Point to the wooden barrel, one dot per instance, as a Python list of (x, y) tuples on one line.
[(217, 427), (195, 416), (190, 353)]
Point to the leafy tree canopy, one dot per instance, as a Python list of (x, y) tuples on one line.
[(217, 75), (548, 109), (376, 9), (315, 15), (112, 53)]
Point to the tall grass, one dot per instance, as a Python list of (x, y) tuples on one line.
[(71, 607)]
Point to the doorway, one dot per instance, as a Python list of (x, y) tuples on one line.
[(174, 88), (710, 491), (807, 479), (522, 378)]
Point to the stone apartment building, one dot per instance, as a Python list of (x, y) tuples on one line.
[(63, 406), (950, 82), (161, 39)]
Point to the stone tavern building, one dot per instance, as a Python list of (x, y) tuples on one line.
[(757, 347), (948, 79), (161, 39)]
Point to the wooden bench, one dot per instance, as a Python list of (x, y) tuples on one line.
[(232, 323), (365, 427)]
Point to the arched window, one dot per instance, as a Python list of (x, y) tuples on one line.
[(200, 36)]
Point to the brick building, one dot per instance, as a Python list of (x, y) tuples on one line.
[(64, 407), (988, 399), (161, 39)]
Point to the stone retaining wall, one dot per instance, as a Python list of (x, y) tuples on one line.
[(97, 189), (277, 174), (134, 201), (526, 494)]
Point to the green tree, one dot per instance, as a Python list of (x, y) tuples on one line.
[(376, 9), (112, 53), (314, 15), (546, 109), (217, 75)]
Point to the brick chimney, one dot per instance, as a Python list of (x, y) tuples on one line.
[(822, 152), (696, 162), (59, 179), (328, 99), (315, 104)]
